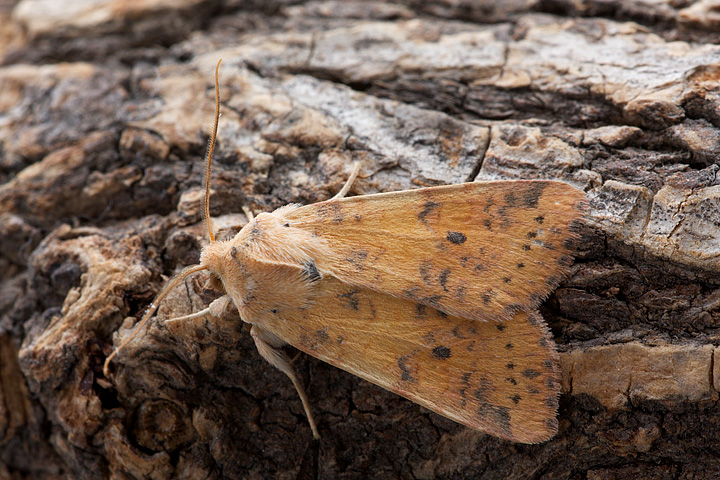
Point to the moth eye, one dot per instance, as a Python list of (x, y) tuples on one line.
[(217, 283)]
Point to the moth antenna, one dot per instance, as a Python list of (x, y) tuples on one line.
[(150, 311), (206, 216), (349, 182), (209, 156)]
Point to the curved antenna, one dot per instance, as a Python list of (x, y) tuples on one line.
[(206, 217), (208, 157)]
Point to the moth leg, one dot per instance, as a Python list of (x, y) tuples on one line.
[(268, 346), (215, 310), (248, 213), (351, 179)]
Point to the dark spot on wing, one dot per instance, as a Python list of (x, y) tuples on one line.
[(521, 265), (424, 269), (488, 224), (465, 379), (501, 327), (331, 212), (373, 312), (357, 259), (507, 280), (322, 334), (532, 390), (509, 346), (546, 245), (443, 278), (530, 373), (511, 200), (433, 301), (564, 260), (420, 311), (352, 299), (533, 194), (549, 365), (515, 398), (535, 298), (405, 369), (510, 366), (490, 202), (274, 310), (411, 292), (442, 352), (456, 237), (310, 271), (511, 380), (540, 219), (526, 247), (498, 415), (340, 339), (427, 210), (552, 281), (531, 235), (482, 391), (512, 308)]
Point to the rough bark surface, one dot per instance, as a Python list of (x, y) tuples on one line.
[(105, 108)]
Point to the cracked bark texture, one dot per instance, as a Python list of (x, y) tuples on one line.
[(105, 108)]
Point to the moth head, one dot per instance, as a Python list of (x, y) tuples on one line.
[(213, 258)]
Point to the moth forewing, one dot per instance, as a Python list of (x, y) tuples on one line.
[(477, 250)]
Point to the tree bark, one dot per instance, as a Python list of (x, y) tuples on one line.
[(105, 108)]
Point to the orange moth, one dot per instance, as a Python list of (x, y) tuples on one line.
[(430, 293)]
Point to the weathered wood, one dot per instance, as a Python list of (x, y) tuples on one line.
[(104, 114)]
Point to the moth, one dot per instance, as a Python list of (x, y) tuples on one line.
[(430, 293)]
